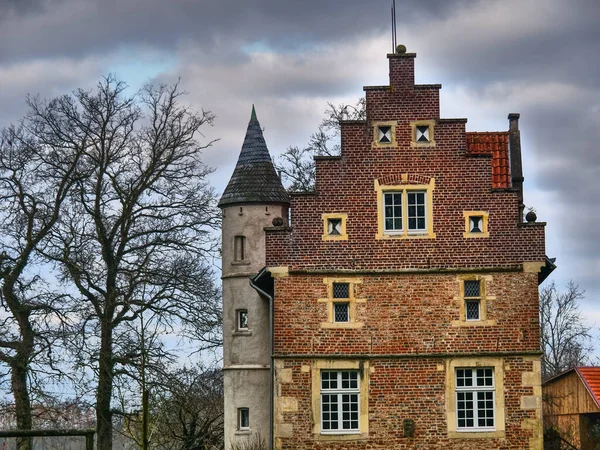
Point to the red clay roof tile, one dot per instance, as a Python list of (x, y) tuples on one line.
[(591, 377), (494, 144)]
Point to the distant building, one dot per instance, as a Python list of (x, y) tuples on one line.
[(399, 307), (572, 406)]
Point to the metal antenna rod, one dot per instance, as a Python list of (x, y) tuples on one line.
[(392, 14), (394, 28)]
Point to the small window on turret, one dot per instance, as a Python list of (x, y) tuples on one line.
[(242, 320), (239, 249)]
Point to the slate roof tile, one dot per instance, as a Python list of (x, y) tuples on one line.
[(254, 179)]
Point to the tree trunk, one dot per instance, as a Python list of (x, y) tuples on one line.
[(105, 387), (22, 403)]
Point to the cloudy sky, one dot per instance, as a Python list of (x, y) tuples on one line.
[(540, 58)]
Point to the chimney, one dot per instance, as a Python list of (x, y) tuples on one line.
[(516, 164), (402, 70)]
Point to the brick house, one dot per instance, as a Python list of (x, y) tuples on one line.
[(403, 292)]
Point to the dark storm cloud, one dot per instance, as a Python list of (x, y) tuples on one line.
[(78, 27), (516, 40)]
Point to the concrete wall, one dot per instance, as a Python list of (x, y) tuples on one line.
[(246, 353)]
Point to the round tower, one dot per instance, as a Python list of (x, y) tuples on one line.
[(250, 202)]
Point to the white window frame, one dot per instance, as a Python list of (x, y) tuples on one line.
[(238, 319), (339, 392), (240, 413), (404, 217), (475, 390)]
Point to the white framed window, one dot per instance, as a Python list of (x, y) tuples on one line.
[(242, 319), (340, 401), (405, 208), (243, 419), (472, 299), (475, 399)]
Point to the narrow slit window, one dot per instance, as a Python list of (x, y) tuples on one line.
[(242, 319), (239, 248), (243, 419)]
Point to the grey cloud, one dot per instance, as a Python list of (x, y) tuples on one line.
[(76, 27)]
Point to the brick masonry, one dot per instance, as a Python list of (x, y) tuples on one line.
[(410, 287)]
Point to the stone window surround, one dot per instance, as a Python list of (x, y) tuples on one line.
[(344, 218), (364, 371), (414, 125), (484, 224), (380, 189), (451, 417), (484, 298), (352, 301), (392, 124)]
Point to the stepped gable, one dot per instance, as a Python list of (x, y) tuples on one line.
[(254, 179)]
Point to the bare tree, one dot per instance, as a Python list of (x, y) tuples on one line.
[(35, 179), (135, 231), (186, 411), (565, 336), (297, 166)]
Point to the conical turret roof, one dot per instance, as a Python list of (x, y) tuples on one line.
[(254, 179)]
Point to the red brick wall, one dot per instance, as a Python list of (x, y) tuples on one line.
[(407, 388), (462, 183), (410, 312), (406, 314)]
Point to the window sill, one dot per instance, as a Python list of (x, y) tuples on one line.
[(337, 325), (343, 237), (348, 436), (475, 235), (244, 262), (473, 323), (405, 236), (243, 432), (242, 333), (475, 434), (430, 144)]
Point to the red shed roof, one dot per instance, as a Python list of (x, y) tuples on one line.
[(591, 378), (494, 144)]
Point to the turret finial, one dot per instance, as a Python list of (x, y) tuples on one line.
[(253, 116)]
